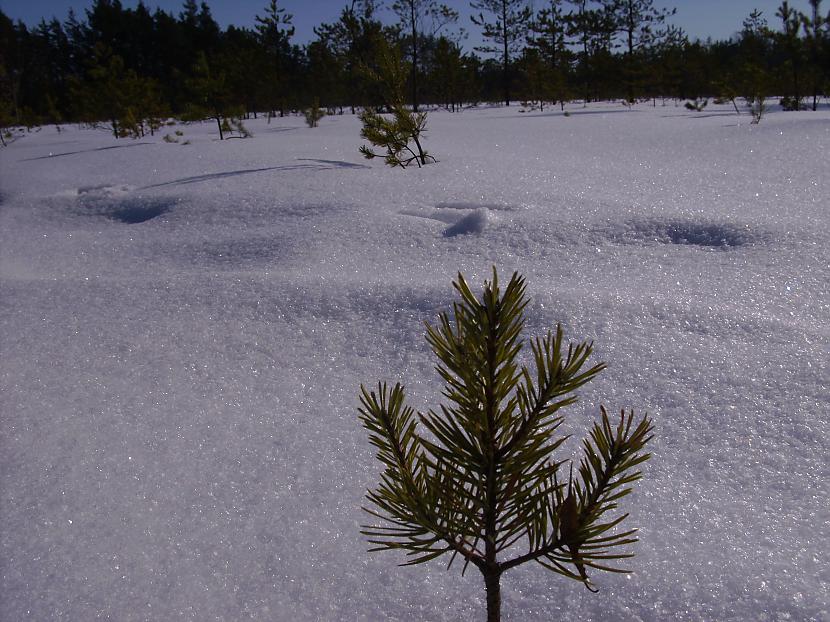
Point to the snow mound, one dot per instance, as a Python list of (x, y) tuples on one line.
[(475, 221)]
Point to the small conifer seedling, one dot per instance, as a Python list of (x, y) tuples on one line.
[(482, 484), (399, 134), (314, 113)]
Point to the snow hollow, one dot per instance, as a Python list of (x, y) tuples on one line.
[(185, 326)]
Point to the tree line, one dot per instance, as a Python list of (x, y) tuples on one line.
[(130, 68)]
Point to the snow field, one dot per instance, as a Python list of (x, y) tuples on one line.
[(184, 329)]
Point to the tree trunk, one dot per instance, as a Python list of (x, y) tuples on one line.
[(219, 125), (492, 583)]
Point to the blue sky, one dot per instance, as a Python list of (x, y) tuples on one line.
[(699, 18)]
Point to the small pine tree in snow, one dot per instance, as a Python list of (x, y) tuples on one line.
[(395, 134), (483, 484), (314, 113), (697, 105), (400, 134)]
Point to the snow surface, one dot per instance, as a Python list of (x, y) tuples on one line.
[(184, 329)]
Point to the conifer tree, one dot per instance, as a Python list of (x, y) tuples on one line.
[(400, 134), (754, 81), (209, 96), (450, 76), (275, 31), (641, 25), (593, 29), (483, 483), (104, 93), (505, 25), (791, 43), (548, 37), (354, 39), (313, 113), (412, 14), (548, 33), (814, 27), (540, 83)]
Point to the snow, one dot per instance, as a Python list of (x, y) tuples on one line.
[(185, 326)]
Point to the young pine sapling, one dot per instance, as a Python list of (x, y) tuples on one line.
[(314, 113), (483, 485), (400, 134)]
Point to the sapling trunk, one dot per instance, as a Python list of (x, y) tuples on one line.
[(492, 585)]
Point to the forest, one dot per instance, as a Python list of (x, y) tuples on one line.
[(130, 68)]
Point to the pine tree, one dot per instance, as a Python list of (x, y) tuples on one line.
[(354, 39), (275, 31), (314, 113), (593, 29), (104, 93), (209, 96), (450, 75), (412, 14), (546, 71), (641, 25), (791, 43), (400, 134), (754, 81), (506, 26), (483, 485), (814, 27)]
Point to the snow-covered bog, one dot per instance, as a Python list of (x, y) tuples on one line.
[(185, 326)]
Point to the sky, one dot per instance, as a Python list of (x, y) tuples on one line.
[(700, 19)]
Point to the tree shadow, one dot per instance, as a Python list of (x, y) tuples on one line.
[(335, 163), (286, 167), (68, 153)]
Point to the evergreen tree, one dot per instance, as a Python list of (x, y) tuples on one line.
[(755, 81), (452, 76), (505, 26), (484, 484), (538, 83), (104, 93), (547, 70), (400, 134), (815, 29), (547, 33), (313, 113), (791, 44), (641, 25), (355, 39), (665, 72), (412, 14), (210, 97), (326, 73), (275, 31), (593, 30)]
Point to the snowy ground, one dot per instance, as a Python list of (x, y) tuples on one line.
[(184, 329)]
